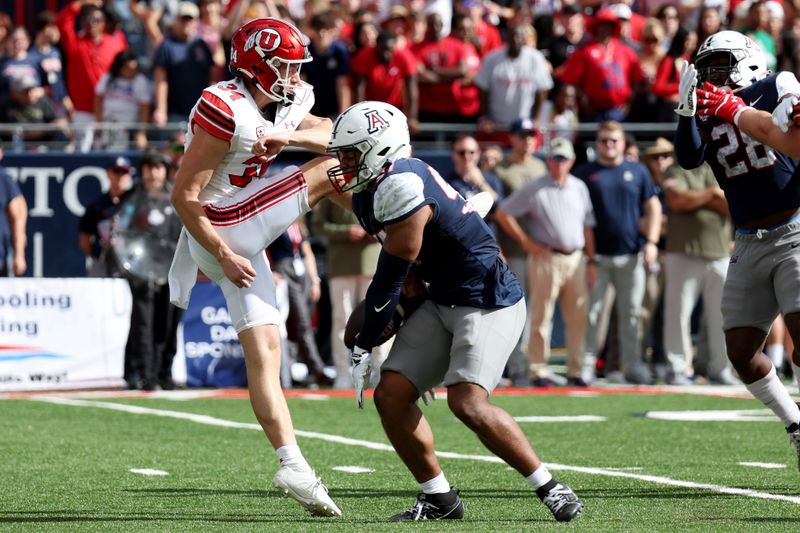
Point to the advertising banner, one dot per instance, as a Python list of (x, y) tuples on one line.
[(62, 333), (214, 357)]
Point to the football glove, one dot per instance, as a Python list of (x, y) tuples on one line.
[(362, 368), (428, 396), (784, 114), (686, 90), (721, 103)]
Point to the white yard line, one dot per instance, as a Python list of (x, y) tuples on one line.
[(212, 421)]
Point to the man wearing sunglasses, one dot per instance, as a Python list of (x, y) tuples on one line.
[(622, 194)]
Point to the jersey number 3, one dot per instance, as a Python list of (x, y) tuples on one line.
[(738, 153), (255, 167)]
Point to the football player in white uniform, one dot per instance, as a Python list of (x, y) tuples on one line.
[(231, 212)]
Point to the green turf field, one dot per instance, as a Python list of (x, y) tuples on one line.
[(67, 467)]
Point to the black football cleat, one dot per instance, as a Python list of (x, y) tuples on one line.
[(560, 499), (447, 506)]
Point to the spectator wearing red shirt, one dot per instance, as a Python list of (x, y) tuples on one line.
[(90, 53), (469, 94), (443, 66), (387, 74), (605, 70), (488, 37), (665, 85)]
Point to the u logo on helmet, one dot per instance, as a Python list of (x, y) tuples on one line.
[(375, 121), (265, 41)]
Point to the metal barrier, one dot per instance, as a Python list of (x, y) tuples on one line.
[(430, 136)]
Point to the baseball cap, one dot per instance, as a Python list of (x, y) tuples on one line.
[(188, 9), (23, 82), (120, 163), (561, 148), (622, 11), (523, 126), (660, 146), (571, 9)]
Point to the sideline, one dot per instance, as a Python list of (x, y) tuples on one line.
[(213, 421)]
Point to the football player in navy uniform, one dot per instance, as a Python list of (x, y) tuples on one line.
[(762, 186), (461, 336)]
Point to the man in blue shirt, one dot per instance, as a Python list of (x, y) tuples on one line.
[(329, 72), (622, 194), (13, 217)]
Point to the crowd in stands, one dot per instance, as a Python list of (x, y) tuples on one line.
[(518, 75), (467, 61)]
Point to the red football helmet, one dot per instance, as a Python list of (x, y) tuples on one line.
[(269, 52)]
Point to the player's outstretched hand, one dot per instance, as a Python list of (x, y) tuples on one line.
[(786, 112), (238, 269), (686, 90), (719, 102)]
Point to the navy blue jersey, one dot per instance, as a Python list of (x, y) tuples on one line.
[(757, 180), (460, 259)]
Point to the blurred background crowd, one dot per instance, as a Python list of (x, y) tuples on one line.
[(506, 91)]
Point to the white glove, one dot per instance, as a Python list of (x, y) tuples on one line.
[(428, 396), (688, 100), (362, 368), (782, 115)]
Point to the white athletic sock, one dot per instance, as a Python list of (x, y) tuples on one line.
[(291, 456), (437, 485), (541, 476), (774, 395), (775, 354), (796, 372)]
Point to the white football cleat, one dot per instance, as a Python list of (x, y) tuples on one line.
[(307, 489), (794, 438)]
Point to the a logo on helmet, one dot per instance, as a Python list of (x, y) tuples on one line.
[(375, 121), (264, 41)]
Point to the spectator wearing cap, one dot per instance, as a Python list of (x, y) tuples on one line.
[(156, 15), (632, 22), (558, 236), (627, 212), (181, 68), (94, 226), (657, 158), (487, 37), (398, 24), (388, 74), (27, 103), (444, 65), (514, 81), (91, 52), (605, 70), (45, 49), (696, 260), (13, 220), (517, 168), (329, 72), (573, 36)]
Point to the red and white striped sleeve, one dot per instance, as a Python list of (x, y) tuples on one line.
[(214, 116)]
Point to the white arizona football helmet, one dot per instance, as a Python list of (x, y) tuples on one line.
[(368, 137), (732, 59)]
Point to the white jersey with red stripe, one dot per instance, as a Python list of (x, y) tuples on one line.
[(227, 111)]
